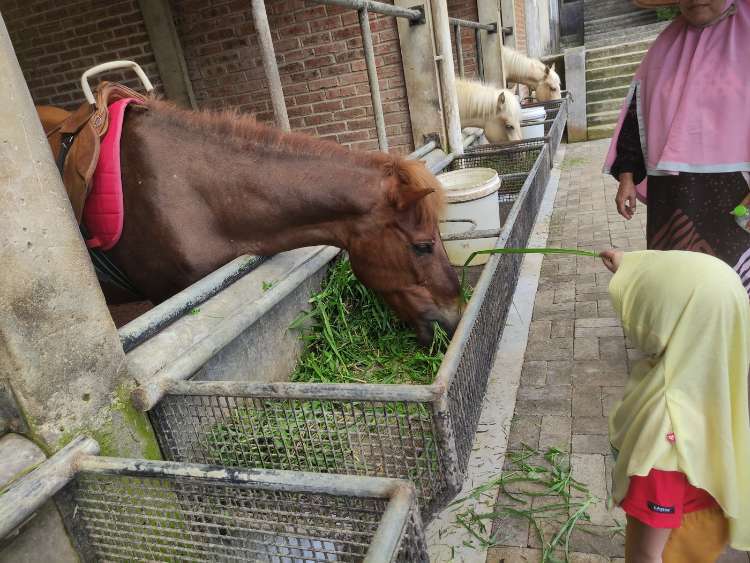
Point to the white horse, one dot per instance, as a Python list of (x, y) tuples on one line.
[(532, 73), (495, 110)]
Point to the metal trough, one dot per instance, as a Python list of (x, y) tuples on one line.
[(119, 509), (420, 433)]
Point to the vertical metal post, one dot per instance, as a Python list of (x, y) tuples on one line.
[(372, 77), (447, 75), (269, 63), (459, 50), (480, 61)]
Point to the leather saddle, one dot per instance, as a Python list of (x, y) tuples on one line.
[(75, 138)]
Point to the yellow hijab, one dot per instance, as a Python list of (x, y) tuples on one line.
[(689, 314)]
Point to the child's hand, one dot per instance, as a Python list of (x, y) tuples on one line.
[(611, 259)]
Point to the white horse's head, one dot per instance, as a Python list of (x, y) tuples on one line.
[(505, 125), (548, 88)]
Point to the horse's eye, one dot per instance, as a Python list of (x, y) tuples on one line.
[(422, 248), (509, 127)]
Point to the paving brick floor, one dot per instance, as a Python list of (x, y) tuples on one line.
[(577, 358)]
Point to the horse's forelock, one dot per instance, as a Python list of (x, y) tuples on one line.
[(413, 176)]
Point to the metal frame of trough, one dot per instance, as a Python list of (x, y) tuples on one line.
[(421, 433), (129, 508)]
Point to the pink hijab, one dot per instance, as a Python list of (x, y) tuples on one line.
[(693, 97)]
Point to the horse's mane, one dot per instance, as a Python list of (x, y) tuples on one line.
[(520, 68), (243, 131), (477, 100)]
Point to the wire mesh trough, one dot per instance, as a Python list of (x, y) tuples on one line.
[(421, 433), (135, 510)]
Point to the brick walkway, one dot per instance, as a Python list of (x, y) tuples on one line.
[(577, 358)]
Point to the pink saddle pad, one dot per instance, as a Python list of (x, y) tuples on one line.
[(104, 213)]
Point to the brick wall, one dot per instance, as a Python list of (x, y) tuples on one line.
[(319, 53), (55, 42), (465, 10)]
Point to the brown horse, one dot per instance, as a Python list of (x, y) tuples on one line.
[(203, 188)]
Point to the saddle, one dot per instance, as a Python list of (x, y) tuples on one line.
[(75, 137)]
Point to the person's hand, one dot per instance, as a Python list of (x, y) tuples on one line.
[(611, 259), (625, 198)]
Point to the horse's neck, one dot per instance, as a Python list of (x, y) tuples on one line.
[(519, 68)]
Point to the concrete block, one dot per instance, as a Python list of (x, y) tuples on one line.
[(575, 78)]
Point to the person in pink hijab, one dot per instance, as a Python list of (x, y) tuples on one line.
[(682, 144)]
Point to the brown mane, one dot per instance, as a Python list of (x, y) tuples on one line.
[(243, 132)]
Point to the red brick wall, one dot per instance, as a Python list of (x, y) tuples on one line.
[(319, 53), (465, 10), (55, 42)]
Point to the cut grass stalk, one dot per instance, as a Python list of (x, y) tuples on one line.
[(551, 479)]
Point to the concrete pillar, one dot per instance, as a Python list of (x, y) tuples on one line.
[(59, 350), (490, 12), (508, 10), (575, 83), (165, 43)]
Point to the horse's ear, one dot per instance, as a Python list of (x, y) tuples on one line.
[(546, 70), (405, 199), (552, 68), (501, 101)]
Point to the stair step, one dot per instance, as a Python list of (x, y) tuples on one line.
[(601, 62), (602, 118), (600, 132), (610, 71), (636, 34), (618, 22), (618, 49), (611, 104), (616, 93), (610, 82)]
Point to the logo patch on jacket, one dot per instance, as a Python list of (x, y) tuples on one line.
[(653, 507)]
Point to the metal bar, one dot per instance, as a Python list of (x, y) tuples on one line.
[(459, 50), (268, 55), (306, 391), (22, 498), (415, 16), (423, 150), (491, 27), (167, 312), (447, 75), (316, 483), (468, 235), (385, 542), (147, 395), (372, 78), (480, 55)]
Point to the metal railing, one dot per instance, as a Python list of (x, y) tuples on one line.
[(130, 509), (457, 24)]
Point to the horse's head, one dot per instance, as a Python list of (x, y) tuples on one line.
[(548, 88), (396, 250), (505, 125)]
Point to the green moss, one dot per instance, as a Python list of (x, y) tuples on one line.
[(106, 434)]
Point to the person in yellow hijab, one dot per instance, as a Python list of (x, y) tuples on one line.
[(681, 433)]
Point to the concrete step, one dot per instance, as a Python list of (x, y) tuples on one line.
[(610, 82), (602, 62), (636, 34), (602, 118), (612, 104), (616, 93), (601, 132), (610, 71), (619, 22), (598, 10), (619, 49)]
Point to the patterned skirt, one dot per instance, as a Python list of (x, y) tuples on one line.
[(692, 212)]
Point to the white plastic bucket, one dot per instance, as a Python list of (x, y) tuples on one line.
[(532, 122), (471, 197)]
